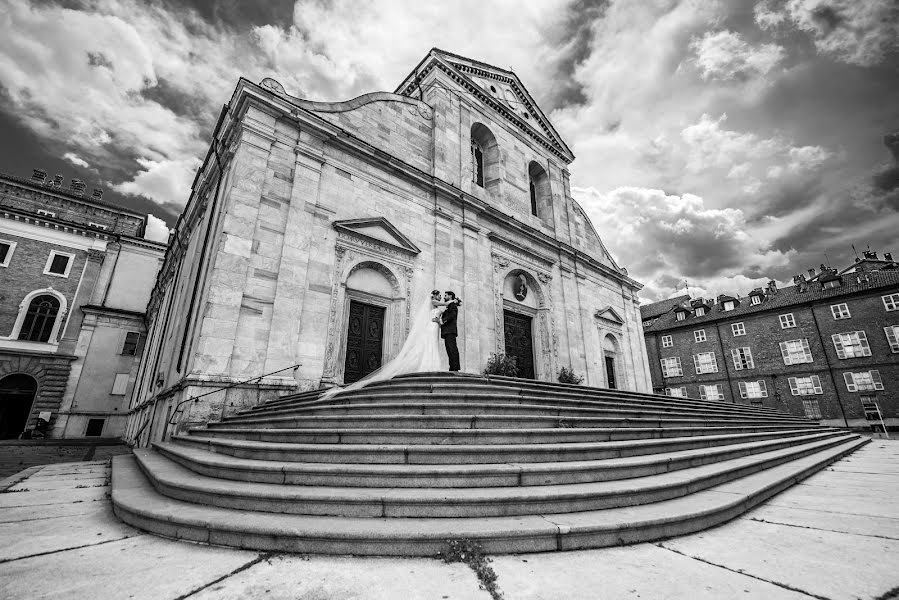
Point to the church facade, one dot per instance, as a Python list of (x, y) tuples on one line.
[(314, 229)]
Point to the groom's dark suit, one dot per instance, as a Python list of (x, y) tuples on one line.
[(449, 332)]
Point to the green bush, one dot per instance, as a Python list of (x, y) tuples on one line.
[(500, 364), (567, 375)]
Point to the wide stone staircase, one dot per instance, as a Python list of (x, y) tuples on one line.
[(402, 466)]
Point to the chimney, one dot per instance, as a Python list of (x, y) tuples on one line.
[(57, 181), (801, 283), (39, 175), (888, 256), (98, 194), (78, 187), (811, 273), (870, 254), (772, 288)]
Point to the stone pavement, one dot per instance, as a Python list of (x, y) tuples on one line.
[(834, 536), (16, 455)]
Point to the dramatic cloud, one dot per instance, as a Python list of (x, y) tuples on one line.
[(664, 236), (156, 229), (754, 133), (859, 32), (75, 160), (725, 55)]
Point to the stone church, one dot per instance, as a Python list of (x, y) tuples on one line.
[(314, 228)]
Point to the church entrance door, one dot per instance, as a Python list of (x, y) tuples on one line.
[(364, 340), (520, 342), (16, 398), (610, 371)]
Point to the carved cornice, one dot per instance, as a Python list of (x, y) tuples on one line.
[(514, 249)]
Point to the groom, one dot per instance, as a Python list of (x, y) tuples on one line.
[(448, 330)]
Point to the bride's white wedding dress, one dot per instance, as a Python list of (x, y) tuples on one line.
[(420, 352)]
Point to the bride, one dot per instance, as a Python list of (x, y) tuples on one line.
[(420, 352)]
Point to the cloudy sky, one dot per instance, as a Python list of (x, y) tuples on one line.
[(717, 143)]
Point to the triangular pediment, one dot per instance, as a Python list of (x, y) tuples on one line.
[(377, 229), (500, 88), (608, 313)]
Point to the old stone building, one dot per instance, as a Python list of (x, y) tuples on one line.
[(75, 278), (826, 347), (313, 228)]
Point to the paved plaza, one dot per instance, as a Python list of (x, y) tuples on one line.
[(834, 536)]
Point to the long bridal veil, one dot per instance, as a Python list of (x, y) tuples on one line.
[(420, 352)]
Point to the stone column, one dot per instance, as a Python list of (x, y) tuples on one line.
[(474, 297), (232, 251), (284, 343), (74, 317)]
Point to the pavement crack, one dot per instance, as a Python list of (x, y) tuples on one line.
[(57, 551), (265, 556), (759, 520), (776, 583)]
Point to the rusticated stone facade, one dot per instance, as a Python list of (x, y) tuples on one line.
[(305, 209)]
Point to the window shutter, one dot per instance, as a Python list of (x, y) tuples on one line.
[(720, 389), (863, 342), (838, 344), (816, 383), (696, 362), (794, 388), (763, 389), (892, 333), (742, 389), (785, 352), (714, 362), (878, 382), (850, 382), (120, 385), (807, 350), (702, 394)]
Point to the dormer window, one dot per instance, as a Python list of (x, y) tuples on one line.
[(700, 311), (681, 315), (755, 300), (727, 305)]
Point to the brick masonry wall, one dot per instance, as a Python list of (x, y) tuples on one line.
[(764, 335), (25, 274), (30, 198)]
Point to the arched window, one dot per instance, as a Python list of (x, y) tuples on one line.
[(541, 195), (486, 170), (477, 163), (39, 319)]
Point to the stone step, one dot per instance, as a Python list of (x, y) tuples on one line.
[(498, 408), (474, 421), (438, 436), (444, 383), (428, 395), (137, 503), (212, 464), (175, 481), (452, 454)]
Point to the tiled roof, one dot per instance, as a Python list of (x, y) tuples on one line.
[(789, 296), (650, 311)]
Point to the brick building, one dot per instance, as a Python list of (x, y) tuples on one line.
[(824, 347), (75, 277), (313, 228)]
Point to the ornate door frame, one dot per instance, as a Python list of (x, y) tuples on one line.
[(351, 254), (511, 259)]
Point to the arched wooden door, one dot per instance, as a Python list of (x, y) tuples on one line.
[(16, 398)]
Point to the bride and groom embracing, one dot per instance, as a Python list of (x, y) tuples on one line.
[(434, 319)]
